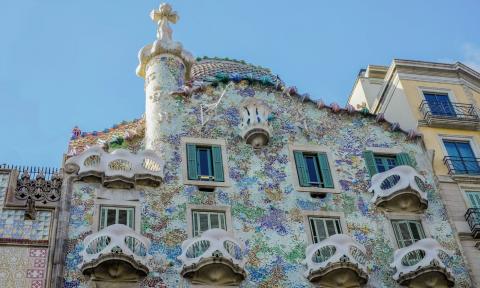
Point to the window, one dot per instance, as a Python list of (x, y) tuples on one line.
[(439, 104), (322, 228), (474, 199), (378, 163), (313, 169), (461, 158), (116, 215), (205, 163), (407, 232), (206, 220)]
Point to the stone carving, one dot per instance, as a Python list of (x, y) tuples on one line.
[(37, 190), (399, 189), (119, 169), (116, 256), (337, 261), (214, 258), (422, 262), (255, 126)]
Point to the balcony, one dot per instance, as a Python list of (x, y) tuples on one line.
[(116, 256), (450, 115), (214, 258), (255, 126), (119, 169), (473, 219), (422, 265), (400, 189), (336, 262), (462, 166)]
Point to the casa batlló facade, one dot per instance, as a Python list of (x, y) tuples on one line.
[(233, 178)]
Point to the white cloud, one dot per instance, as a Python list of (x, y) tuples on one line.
[(471, 56)]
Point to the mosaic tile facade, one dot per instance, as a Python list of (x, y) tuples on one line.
[(267, 211), (23, 267)]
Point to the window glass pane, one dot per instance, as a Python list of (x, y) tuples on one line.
[(203, 222), (111, 216), (331, 227), (380, 167), (214, 223), (204, 158), (385, 163), (312, 169), (222, 221), (323, 228), (122, 217), (415, 232), (391, 162)]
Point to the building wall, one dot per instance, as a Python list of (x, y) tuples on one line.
[(267, 212), (23, 245)]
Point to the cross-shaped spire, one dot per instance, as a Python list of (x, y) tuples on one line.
[(163, 16)]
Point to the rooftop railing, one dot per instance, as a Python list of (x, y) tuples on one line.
[(33, 171), (462, 165), (473, 219)]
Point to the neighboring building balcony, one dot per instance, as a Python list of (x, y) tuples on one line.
[(116, 255), (255, 126), (462, 166), (422, 265), (119, 169), (449, 115), (473, 219), (214, 258), (400, 189), (337, 261)]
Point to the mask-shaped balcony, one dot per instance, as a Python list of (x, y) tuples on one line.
[(119, 169), (336, 262), (420, 265), (400, 189), (255, 127), (214, 258), (116, 256)]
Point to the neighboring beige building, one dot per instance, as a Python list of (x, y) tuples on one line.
[(438, 101)]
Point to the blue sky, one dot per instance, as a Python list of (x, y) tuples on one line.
[(65, 63)]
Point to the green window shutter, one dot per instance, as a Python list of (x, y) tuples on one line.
[(325, 170), (301, 169), (370, 162), (192, 162), (217, 164), (474, 198), (403, 159)]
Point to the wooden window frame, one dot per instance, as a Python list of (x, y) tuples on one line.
[(106, 208), (321, 214), (208, 208)]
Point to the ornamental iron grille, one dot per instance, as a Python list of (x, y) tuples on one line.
[(37, 185)]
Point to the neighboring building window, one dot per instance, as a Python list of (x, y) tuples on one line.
[(322, 228), (439, 104), (474, 199), (461, 157), (205, 163), (206, 220), (407, 232), (313, 169), (378, 163), (116, 215)]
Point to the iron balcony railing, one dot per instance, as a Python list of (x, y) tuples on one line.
[(473, 219), (448, 111), (48, 172), (462, 165)]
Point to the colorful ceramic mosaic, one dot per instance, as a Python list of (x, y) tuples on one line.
[(267, 211)]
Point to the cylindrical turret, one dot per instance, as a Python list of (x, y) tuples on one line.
[(165, 66)]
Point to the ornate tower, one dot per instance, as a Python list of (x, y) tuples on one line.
[(165, 66)]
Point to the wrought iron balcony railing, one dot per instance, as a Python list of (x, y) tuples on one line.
[(460, 115), (473, 219), (462, 165)]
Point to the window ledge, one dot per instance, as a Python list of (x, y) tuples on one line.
[(317, 190), (206, 183)]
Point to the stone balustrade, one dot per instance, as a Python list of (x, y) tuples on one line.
[(400, 189), (118, 169), (214, 258), (338, 261), (422, 264)]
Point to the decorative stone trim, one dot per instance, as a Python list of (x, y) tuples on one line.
[(214, 258), (119, 169), (431, 263), (337, 255), (115, 243), (399, 189), (255, 126)]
